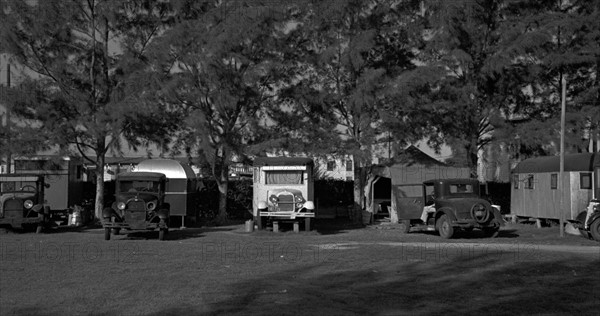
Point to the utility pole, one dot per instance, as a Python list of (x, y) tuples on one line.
[(562, 154), (8, 131)]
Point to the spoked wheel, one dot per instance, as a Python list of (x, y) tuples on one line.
[(595, 229), (106, 233), (444, 227)]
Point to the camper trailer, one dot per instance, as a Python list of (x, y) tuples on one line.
[(181, 187)]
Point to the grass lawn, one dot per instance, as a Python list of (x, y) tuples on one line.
[(336, 270)]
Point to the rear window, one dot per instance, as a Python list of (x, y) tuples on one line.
[(461, 188)]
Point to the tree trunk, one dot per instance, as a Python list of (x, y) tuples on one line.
[(223, 185), (99, 205), (472, 157), (359, 190)]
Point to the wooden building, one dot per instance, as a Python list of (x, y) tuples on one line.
[(536, 186)]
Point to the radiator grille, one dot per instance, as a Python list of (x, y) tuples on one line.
[(286, 203)]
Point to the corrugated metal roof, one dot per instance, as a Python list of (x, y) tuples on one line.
[(173, 169), (573, 162), (282, 161)]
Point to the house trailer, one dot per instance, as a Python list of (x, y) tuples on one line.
[(181, 188), (537, 188)]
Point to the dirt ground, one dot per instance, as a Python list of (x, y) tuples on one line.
[(338, 269)]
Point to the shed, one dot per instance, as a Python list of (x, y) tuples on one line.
[(181, 189), (536, 191), (402, 181)]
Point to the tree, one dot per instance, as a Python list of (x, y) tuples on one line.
[(344, 54), (550, 40), (85, 58), (217, 71)]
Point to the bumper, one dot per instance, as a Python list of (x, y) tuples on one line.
[(134, 226), (20, 221), (287, 215)]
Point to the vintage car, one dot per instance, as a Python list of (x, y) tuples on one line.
[(22, 201), (588, 221), (451, 204), (283, 191), (139, 204)]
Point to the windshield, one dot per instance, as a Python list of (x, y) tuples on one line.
[(21, 186), (139, 186)]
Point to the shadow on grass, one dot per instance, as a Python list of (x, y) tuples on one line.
[(466, 285)]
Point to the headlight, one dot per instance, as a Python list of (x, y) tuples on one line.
[(274, 199), (121, 205), (28, 204), (299, 199), (151, 206)]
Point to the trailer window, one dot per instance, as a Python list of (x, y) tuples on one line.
[(585, 181), (284, 177), (529, 182), (554, 181)]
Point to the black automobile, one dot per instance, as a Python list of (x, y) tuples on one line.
[(139, 205), (22, 201), (588, 221), (449, 205)]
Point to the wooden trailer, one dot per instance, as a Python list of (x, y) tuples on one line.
[(63, 180), (536, 186)]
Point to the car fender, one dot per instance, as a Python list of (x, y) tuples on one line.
[(497, 217), (594, 217), (449, 212)]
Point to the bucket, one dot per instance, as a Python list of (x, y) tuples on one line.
[(76, 219), (249, 226)]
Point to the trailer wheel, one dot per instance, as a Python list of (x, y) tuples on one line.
[(491, 232), (595, 229), (404, 226), (106, 233), (445, 229)]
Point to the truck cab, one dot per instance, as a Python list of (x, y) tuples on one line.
[(22, 201), (139, 204)]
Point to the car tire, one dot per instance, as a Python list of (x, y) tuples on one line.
[(445, 229), (595, 229), (404, 226), (106, 233)]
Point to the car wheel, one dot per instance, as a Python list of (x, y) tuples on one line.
[(445, 229), (491, 232), (161, 234), (595, 229), (106, 233), (404, 226)]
